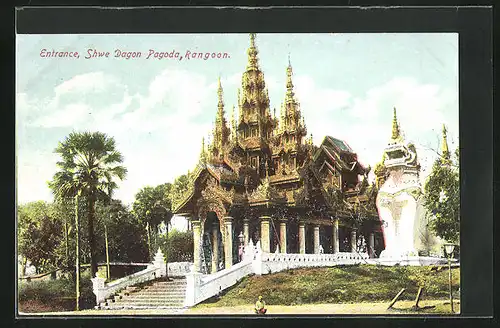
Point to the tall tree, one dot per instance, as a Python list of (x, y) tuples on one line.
[(442, 197), (40, 232), (152, 206), (89, 164)]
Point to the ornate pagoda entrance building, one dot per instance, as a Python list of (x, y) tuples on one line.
[(262, 179)]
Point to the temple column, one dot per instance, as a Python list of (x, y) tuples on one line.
[(283, 236), (371, 245), (264, 233), (302, 237), (316, 239), (353, 241), (228, 247), (335, 236), (196, 226), (215, 247), (246, 230)]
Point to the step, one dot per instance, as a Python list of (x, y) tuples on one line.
[(159, 298), (144, 307), (157, 295), (182, 282), (161, 290), (146, 304), (150, 300), (165, 287)]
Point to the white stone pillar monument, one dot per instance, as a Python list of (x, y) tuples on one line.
[(335, 236), (215, 247), (246, 230), (353, 241), (371, 245), (196, 225), (264, 233), (316, 239), (302, 237), (283, 236), (228, 247)]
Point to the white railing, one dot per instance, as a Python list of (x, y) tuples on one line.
[(179, 269), (154, 270), (201, 287), (271, 263)]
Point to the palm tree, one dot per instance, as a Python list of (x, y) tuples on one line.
[(89, 165)]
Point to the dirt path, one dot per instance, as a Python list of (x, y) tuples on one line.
[(321, 309), (325, 309)]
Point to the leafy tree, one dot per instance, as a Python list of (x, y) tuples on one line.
[(152, 206), (178, 246), (442, 198), (90, 164), (39, 233), (121, 226)]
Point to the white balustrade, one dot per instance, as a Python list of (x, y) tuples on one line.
[(154, 270), (201, 287)]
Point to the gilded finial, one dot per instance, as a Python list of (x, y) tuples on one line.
[(289, 83), (252, 54), (220, 94), (203, 155), (395, 127), (444, 147)]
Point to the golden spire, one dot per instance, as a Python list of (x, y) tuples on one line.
[(252, 54), (219, 95), (203, 155), (289, 83), (396, 133), (445, 153)]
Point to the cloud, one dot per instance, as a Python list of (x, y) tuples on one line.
[(365, 121), (159, 132)]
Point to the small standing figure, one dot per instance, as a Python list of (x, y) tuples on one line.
[(321, 250), (260, 306), (241, 250)]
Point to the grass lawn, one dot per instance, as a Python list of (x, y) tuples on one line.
[(349, 284)]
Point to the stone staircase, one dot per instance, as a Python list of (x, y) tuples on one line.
[(158, 294)]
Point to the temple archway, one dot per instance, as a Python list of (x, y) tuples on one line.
[(213, 249)]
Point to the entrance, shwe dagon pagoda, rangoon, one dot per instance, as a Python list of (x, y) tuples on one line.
[(263, 179)]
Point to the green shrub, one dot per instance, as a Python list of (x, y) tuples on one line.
[(177, 246), (58, 293)]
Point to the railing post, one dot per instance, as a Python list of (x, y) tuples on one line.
[(257, 261), (193, 280), (159, 263), (99, 289)]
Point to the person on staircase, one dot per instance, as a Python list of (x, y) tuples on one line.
[(260, 306)]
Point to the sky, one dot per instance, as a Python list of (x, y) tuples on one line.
[(158, 110)]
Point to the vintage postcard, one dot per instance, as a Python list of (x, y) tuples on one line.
[(238, 174)]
